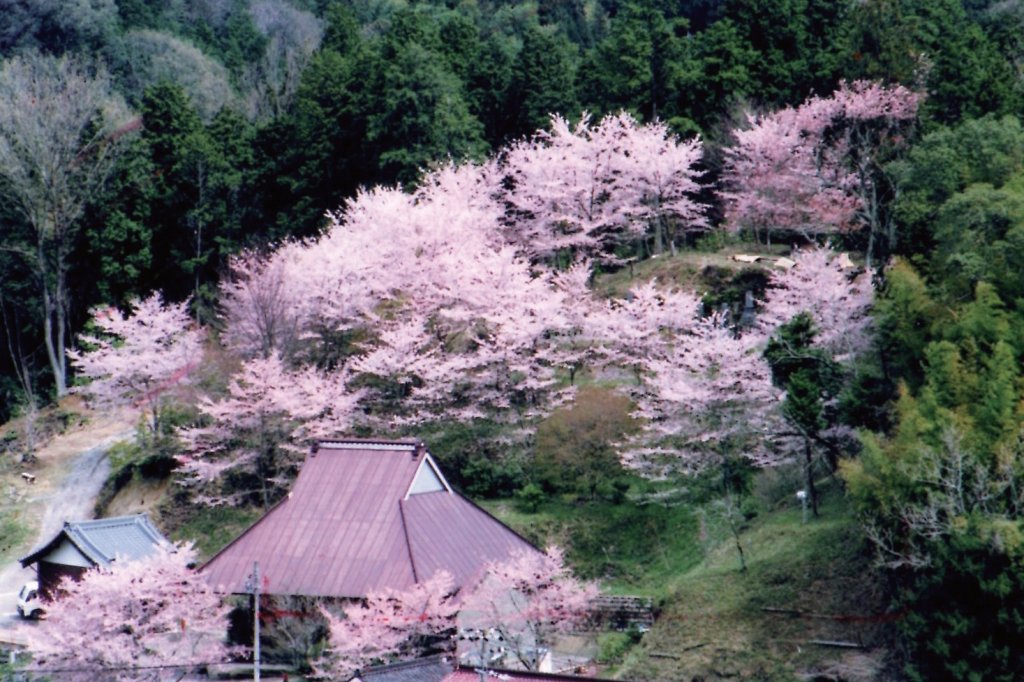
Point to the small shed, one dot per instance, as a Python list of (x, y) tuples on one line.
[(443, 669), (81, 545)]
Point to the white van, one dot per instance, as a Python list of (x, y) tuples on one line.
[(29, 605)]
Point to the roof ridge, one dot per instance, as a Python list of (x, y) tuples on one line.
[(405, 536), (132, 519), (335, 442), (85, 545)]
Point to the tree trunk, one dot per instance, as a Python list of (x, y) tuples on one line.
[(659, 236), (53, 320)]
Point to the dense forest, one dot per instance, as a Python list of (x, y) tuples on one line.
[(197, 148)]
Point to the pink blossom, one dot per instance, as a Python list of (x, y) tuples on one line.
[(121, 623), (390, 625), (838, 298), (814, 169), (528, 599), (586, 188), (137, 358)]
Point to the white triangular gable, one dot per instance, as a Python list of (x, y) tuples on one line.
[(68, 555), (428, 479)]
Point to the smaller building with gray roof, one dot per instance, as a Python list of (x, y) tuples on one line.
[(81, 545)]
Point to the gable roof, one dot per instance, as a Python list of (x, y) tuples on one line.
[(102, 540), (364, 515)]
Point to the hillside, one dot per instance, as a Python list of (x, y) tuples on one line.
[(804, 583), (637, 271)]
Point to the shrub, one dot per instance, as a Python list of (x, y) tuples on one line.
[(575, 450)]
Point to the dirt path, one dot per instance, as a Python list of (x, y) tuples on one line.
[(70, 472)]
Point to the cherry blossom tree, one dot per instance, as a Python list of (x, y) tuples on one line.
[(639, 327), (774, 181), (263, 311), (449, 320), (587, 188), (269, 410), (826, 285), (707, 396), (137, 358), (704, 388), (873, 126), (130, 621), (663, 171), (817, 168), (391, 625), (528, 599)]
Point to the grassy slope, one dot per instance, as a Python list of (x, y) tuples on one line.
[(711, 625), (212, 528)]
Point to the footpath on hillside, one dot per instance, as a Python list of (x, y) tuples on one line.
[(69, 473)]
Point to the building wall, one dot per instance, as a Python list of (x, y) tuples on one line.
[(50, 575)]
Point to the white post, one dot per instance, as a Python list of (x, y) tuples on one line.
[(252, 585), (802, 496), (483, 659)]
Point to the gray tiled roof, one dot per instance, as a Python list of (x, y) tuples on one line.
[(102, 540), (430, 669)]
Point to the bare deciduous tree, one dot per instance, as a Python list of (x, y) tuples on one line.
[(293, 35), (61, 127)]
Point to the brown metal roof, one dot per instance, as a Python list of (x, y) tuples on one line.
[(448, 532), (347, 528)]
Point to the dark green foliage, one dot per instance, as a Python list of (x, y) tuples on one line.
[(947, 161), (950, 525), (905, 312), (812, 380), (419, 115), (471, 460), (719, 75), (808, 374), (530, 497), (794, 40), (543, 82), (638, 65), (197, 172), (964, 621), (963, 71)]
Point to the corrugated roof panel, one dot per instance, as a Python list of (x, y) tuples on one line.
[(449, 532)]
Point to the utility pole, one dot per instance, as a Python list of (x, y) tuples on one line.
[(252, 586)]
